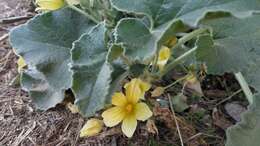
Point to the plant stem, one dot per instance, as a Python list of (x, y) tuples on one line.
[(181, 41), (228, 98), (177, 61), (240, 78), (190, 36), (176, 121), (83, 13), (177, 81)]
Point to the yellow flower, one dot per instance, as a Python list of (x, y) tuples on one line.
[(21, 64), (91, 128), (50, 5), (143, 86), (164, 55), (127, 109)]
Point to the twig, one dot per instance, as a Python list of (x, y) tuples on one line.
[(176, 122), (228, 98), (177, 81), (22, 136), (14, 19), (4, 37), (201, 134)]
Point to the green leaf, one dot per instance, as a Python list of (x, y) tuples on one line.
[(159, 11), (45, 42), (179, 103), (190, 11), (137, 39), (235, 48), (139, 42), (94, 79), (246, 133), (252, 74)]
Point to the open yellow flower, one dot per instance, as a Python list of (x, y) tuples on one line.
[(144, 86), (50, 5), (21, 64), (91, 128), (164, 55), (127, 109)]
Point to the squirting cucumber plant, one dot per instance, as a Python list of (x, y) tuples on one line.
[(91, 46)]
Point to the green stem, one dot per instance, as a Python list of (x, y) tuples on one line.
[(190, 36), (177, 81), (154, 64), (83, 13), (181, 58), (177, 61), (240, 78)]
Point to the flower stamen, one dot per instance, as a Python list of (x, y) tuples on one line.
[(129, 108)]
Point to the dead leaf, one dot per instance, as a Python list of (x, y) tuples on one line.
[(151, 127), (193, 86), (179, 103), (158, 91), (220, 120), (72, 107), (234, 110)]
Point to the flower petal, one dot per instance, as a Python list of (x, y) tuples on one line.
[(91, 128), (119, 99), (113, 116), (164, 55), (129, 125), (21, 64), (144, 86), (142, 111), (133, 91), (50, 4)]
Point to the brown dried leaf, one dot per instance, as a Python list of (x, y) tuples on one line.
[(158, 91), (151, 127)]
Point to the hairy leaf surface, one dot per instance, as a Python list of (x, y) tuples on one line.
[(45, 42), (94, 79)]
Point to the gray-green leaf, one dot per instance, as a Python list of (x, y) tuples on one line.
[(94, 79), (45, 42)]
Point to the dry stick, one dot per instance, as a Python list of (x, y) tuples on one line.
[(228, 98), (176, 122), (4, 37), (22, 136), (199, 134), (14, 19)]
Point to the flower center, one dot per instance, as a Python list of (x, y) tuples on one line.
[(129, 108)]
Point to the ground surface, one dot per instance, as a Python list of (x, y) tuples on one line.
[(21, 124)]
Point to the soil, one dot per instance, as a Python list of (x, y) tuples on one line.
[(203, 124)]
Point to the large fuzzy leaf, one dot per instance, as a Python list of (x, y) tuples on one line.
[(235, 48), (94, 79), (190, 11), (159, 11), (45, 42), (246, 133), (139, 41)]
